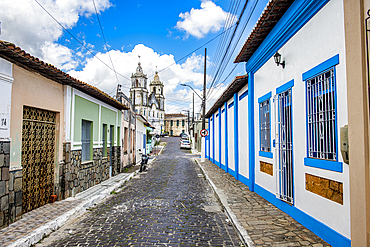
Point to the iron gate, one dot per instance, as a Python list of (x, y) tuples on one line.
[(38, 156), (284, 145)]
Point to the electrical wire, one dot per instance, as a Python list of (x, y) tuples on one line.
[(220, 47), (228, 46), (190, 53), (91, 52), (105, 41), (234, 47)]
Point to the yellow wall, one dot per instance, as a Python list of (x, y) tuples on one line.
[(358, 120), (33, 90)]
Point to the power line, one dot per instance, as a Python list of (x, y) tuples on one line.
[(227, 48), (220, 47), (234, 47), (105, 41), (91, 52), (194, 50)]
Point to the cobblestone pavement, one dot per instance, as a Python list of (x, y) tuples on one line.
[(265, 224), (34, 219), (169, 205)]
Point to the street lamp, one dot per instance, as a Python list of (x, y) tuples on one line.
[(277, 58), (203, 104), (186, 85)]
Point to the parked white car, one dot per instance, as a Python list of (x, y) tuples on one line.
[(185, 144)]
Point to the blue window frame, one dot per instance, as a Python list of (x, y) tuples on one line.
[(321, 116), (243, 95), (265, 125)]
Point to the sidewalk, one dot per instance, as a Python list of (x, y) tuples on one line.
[(34, 225), (258, 222)]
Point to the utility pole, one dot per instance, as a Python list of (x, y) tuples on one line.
[(203, 149), (193, 115), (204, 90)]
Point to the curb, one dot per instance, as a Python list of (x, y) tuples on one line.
[(243, 234), (45, 230)]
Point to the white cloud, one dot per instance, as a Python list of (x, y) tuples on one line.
[(60, 54), (27, 25), (177, 97), (199, 22)]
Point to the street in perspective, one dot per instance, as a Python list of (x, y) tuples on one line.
[(185, 123), (171, 204)]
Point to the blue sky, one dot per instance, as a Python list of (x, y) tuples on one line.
[(161, 32)]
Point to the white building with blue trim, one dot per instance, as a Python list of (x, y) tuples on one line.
[(277, 129)]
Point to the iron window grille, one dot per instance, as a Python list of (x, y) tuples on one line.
[(104, 140), (321, 116), (265, 138), (284, 145), (86, 140)]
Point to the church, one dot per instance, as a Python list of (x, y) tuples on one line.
[(149, 104)]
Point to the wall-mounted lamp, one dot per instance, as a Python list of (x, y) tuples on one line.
[(277, 58)]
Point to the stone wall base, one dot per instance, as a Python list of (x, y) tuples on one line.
[(77, 176), (10, 188)]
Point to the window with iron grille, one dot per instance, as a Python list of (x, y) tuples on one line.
[(86, 140), (265, 138), (321, 116), (171, 122), (104, 140), (183, 122)]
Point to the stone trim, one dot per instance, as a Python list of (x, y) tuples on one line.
[(267, 168), (77, 177), (324, 187), (10, 188)]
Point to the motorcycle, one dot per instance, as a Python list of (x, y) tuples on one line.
[(144, 161)]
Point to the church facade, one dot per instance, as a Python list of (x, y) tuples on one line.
[(150, 103)]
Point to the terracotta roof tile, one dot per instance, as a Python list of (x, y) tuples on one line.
[(272, 13), (19, 57)]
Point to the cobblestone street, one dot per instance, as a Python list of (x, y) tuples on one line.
[(169, 205)]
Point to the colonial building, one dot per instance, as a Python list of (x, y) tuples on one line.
[(128, 131), (58, 135), (148, 104), (175, 124), (280, 129)]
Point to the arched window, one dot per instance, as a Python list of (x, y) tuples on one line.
[(153, 89)]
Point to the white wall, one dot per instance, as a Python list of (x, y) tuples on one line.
[(230, 134), (211, 132), (140, 131), (243, 134), (217, 138), (6, 80), (223, 136), (320, 39)]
